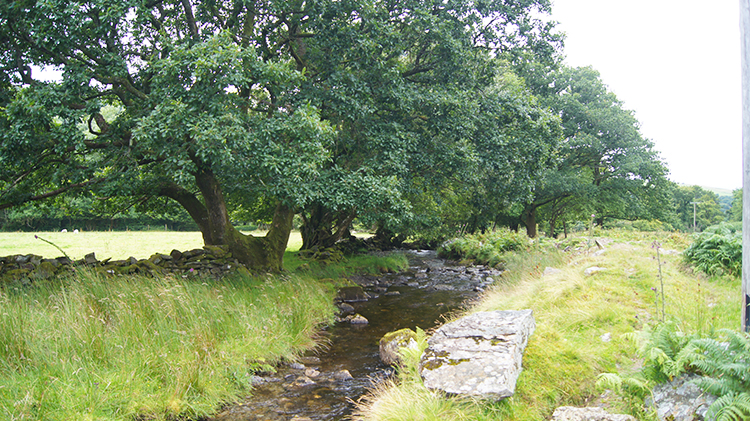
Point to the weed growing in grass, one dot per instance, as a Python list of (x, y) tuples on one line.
[(657, 245), (54, 245)]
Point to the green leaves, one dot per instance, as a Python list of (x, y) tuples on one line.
[(717, 251)]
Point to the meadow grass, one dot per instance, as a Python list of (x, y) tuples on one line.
[(583, 325)]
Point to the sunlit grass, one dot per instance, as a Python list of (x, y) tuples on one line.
[(114, 244), (582, 322)]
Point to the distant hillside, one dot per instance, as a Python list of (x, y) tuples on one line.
[(720, 192)]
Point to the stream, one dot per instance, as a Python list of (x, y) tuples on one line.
[(323, 385)]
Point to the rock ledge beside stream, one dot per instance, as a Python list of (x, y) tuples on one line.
[(478, 355)]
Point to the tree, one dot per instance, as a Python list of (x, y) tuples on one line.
[(735, 210), (695, 204), (227, 104), (603, 161), (407, 106)]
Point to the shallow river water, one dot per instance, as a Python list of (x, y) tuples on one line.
[(319, 387)]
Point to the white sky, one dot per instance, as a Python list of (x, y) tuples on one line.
[(676, 63)]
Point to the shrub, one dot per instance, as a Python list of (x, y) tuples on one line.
[(487, 248), (718, 250)]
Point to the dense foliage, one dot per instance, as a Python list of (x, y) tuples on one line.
[(486, 249), (416, 119), (333, 110), (718, 250)]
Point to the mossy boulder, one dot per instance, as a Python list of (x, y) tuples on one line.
[(392, 343)]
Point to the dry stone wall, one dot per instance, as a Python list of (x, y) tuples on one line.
[(214, 261)]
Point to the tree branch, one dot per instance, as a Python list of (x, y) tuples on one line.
[(190, 19), (52, 193)]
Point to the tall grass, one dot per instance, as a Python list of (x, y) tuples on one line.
[(122, 348)]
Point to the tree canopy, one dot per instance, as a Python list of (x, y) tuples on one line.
[(276, 105), (604, 166)]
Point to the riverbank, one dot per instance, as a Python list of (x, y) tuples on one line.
[(92, 346), (587, 301)]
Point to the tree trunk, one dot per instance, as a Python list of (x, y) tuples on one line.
[(552, 226), (211, 216), (385, 239), (530, 220), (323, 228)]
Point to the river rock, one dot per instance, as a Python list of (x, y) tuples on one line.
[(345, 308), (303, 381), (296, 366), (392, 343), (357, 319), (478, 355), (353, 294), (569, 413), (343, 375), (680, 400)]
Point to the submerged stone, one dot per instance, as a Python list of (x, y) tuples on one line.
[(478, 355), (352, 294)]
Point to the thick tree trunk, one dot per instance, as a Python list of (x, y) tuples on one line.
[(211, 216), (552, 226)]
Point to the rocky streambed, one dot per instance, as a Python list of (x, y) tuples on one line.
[(324, 384)]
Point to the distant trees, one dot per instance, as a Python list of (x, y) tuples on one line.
[(693, 203), (735, 210)]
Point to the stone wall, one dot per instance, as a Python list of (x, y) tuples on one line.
[(214, 261)]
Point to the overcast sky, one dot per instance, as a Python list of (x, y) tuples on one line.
[(676, 63)]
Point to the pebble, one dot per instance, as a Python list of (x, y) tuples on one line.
[(343, 375)]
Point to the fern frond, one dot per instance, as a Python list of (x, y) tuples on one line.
[(609, 381), (716, 387), (617, 383), (730, 407)]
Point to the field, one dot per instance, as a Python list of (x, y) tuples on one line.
[(114, 244)]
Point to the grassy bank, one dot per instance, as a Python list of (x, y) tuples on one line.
[(117, 348), (124, 348), (583, 325)]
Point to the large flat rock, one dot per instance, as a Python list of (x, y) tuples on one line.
[(478, 355)]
